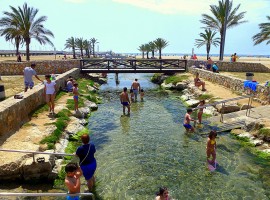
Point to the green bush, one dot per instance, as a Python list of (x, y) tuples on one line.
[(264, 132), (175, 79), (156, 77)]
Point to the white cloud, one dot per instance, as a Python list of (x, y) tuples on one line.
[(197, 7)]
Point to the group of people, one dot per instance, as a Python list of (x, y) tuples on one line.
[(234, 57), (211, 142), (211, 66), (134, 91), (49, 86)]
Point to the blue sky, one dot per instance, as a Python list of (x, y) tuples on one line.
[(123, 25)]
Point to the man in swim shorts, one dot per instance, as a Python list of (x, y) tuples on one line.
[(187, 120), (125, 100), (135, 86)]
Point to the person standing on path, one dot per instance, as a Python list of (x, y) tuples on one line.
[(135, 86), (50, 92), (29, 72)]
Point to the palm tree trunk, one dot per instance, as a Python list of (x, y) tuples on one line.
[(93, 50), (27, 41), (207, 51), (143, 54), (221, 46), (81, 52), (159, 53), (74, 56), (147, 55), (153, 54)]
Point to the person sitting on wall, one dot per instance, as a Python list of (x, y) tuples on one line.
[(215, 68), (198, 82)]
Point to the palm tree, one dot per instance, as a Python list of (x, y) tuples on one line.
[(28, 25), (79, 44), (87, 46), (153, 48), (147, 50), (160, 44), (142, 49), (264, 35), (70, 44), (217, 22), (93, 42), (208, 39), (11, 32)]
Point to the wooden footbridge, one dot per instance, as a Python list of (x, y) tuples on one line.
[(133, 66)]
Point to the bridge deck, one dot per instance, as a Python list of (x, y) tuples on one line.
[(133, 66)]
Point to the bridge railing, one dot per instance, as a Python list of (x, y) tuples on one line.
[(36, 152), (6, 194), (112, 64), (223, 102)]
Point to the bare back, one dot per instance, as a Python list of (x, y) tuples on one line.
[(124, 97), (187, 119), (135, 85)]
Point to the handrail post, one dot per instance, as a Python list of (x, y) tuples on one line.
[(34, 158)]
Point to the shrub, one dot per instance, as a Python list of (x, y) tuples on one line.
[(175, 79)]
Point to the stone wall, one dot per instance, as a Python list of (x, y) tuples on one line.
[(234, 66), (15, 112), (235, 84), (42, 67)]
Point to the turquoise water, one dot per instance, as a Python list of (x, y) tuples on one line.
[(138, 154)]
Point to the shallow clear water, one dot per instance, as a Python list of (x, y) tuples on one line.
[(138, 154)]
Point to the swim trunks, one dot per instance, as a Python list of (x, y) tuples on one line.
[(73, 198), (29, 84), (76, 97), (125, 103), (188, 126), (208, 66)]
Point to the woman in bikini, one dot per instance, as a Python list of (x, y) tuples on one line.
[(198, 82)]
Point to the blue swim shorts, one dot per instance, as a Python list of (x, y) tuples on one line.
[(29, 84), (89, 170), (76, 97), (188, 126), (73, 198), (125, 103)]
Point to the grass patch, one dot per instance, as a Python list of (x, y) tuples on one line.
[(264, 132), (205, 97), (45, 107), (70, 104), (175, 79), (61, 123)]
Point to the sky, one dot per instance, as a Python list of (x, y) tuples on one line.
[(123, 25)]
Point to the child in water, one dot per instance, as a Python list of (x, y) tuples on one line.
[(142, 94), (163, 194), (187, 120), (132, 95), (211, 147), (202, 103), (72, 180)]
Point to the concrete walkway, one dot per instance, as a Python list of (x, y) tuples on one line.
[(237, 119)]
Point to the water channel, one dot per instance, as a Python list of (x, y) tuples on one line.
[(138, 154)]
